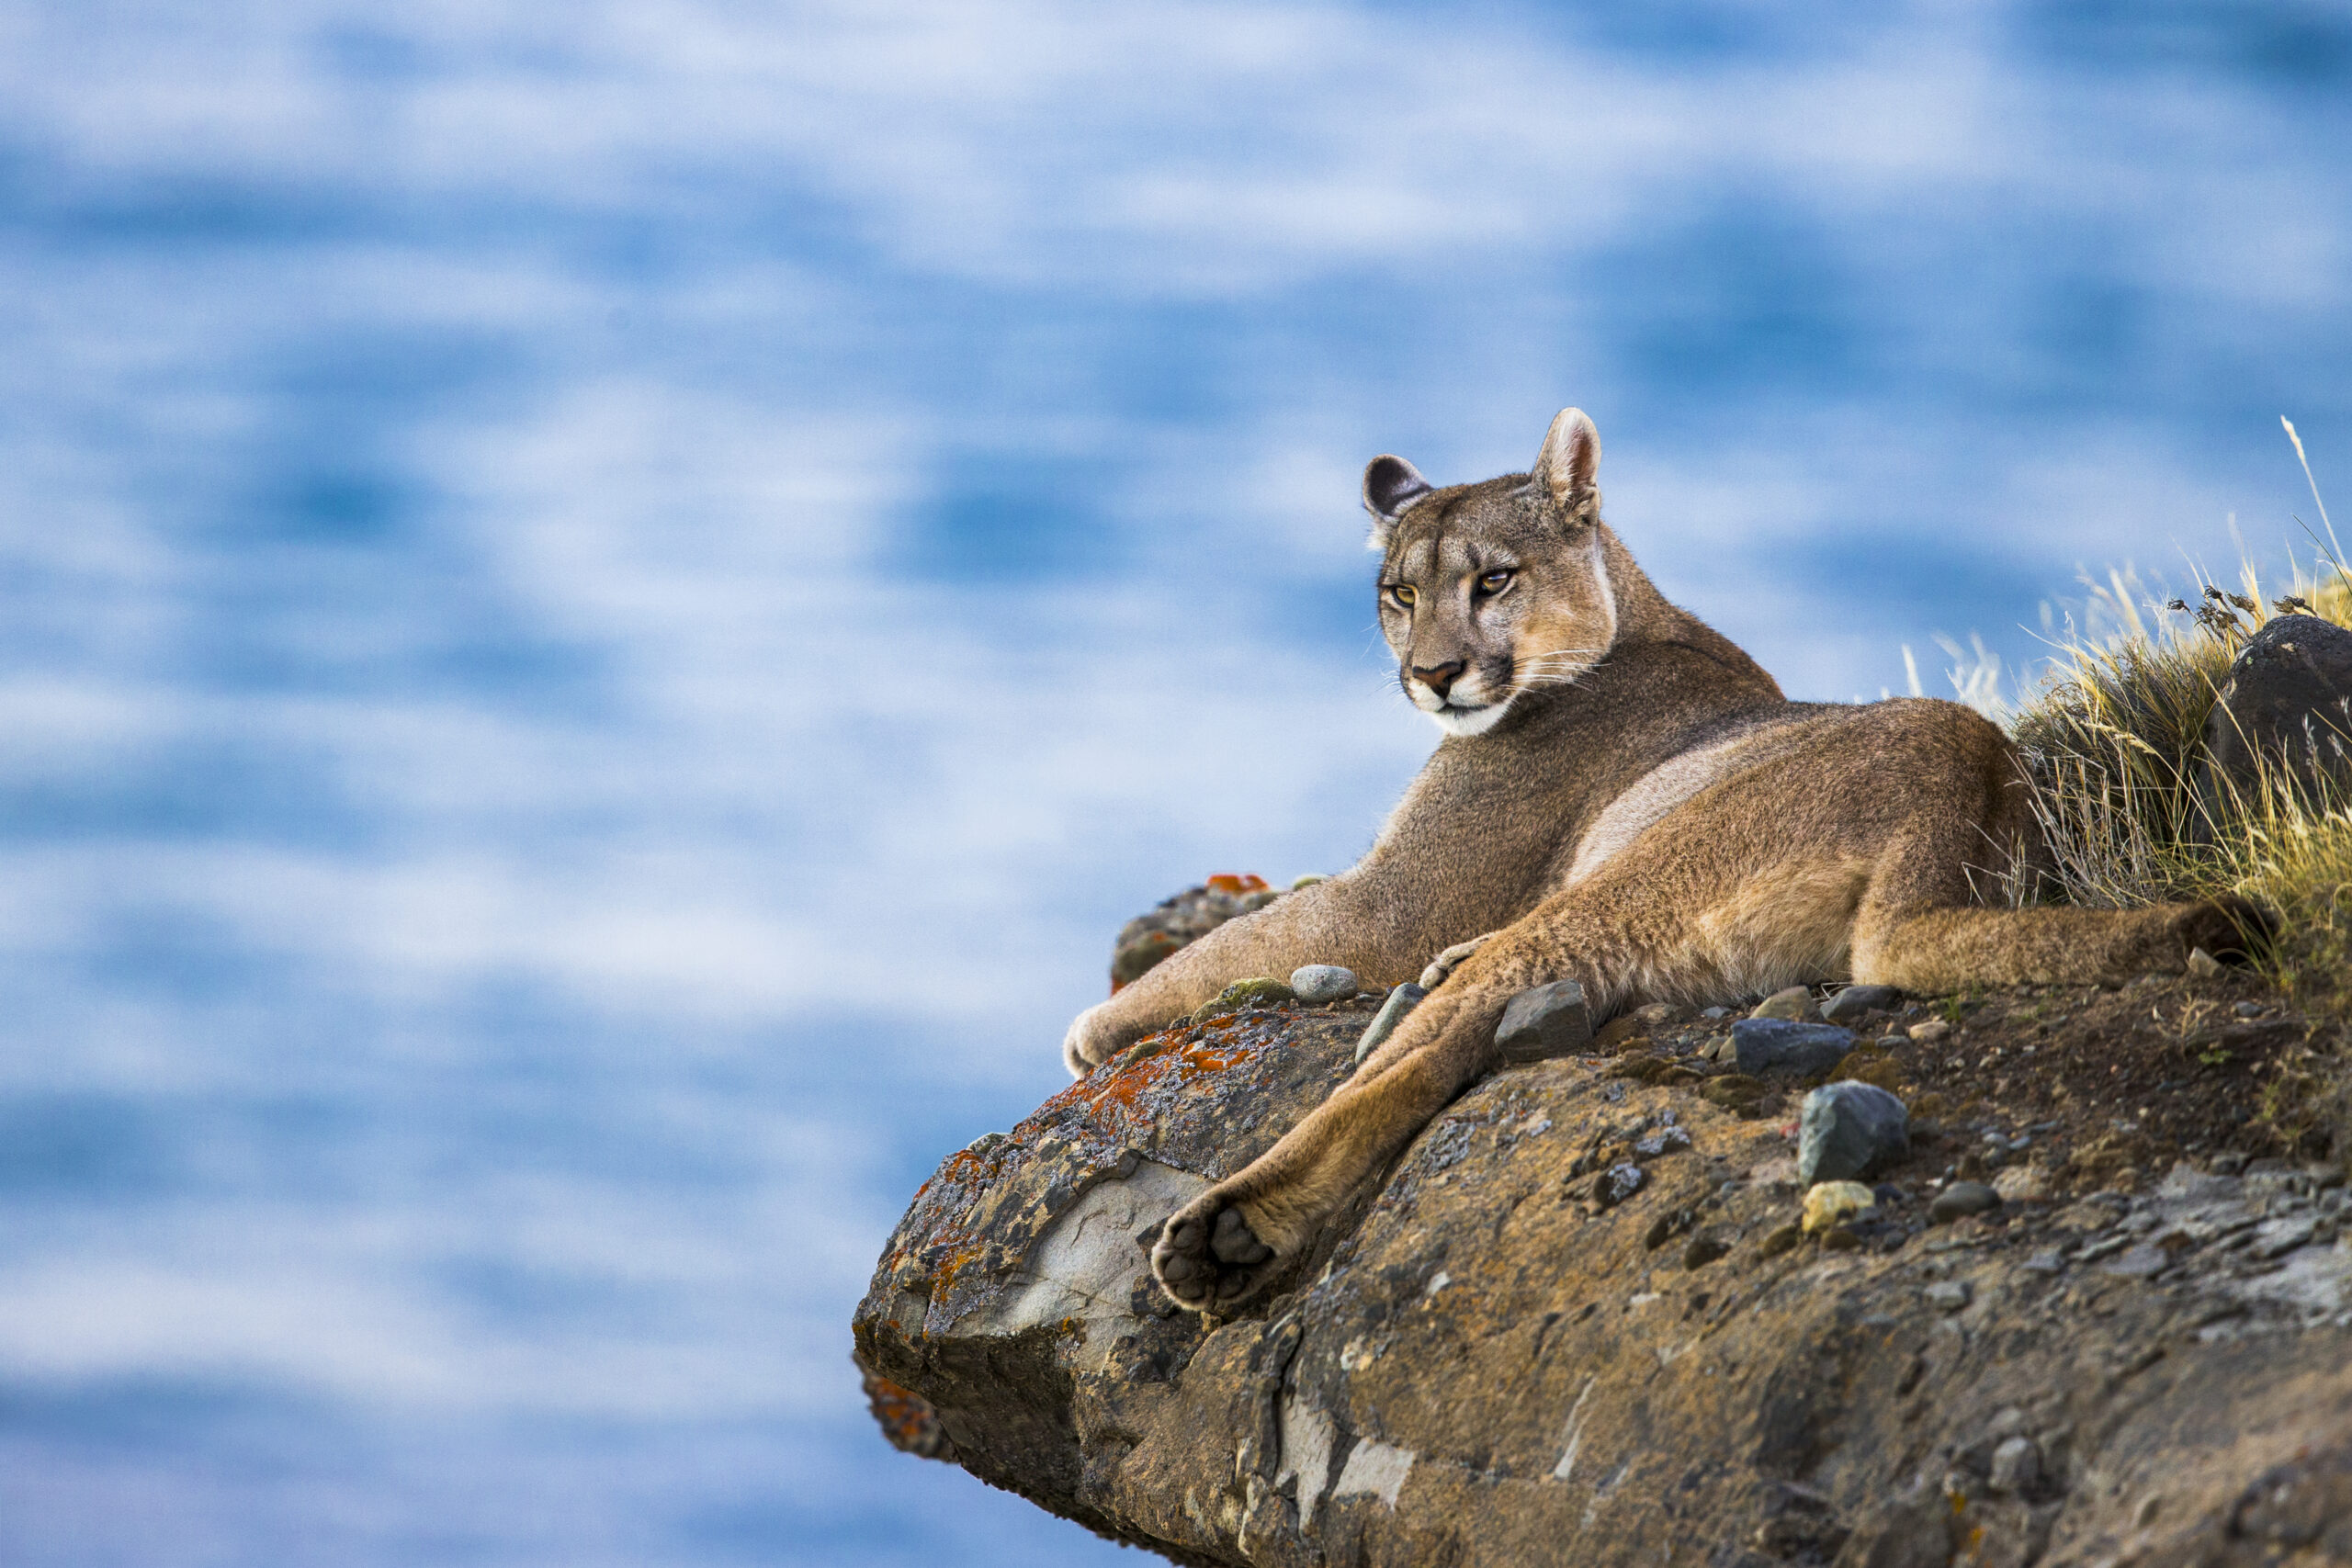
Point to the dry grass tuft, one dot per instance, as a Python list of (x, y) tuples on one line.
[(2115, 741)]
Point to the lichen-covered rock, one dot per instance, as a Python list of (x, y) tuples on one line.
[(1182, 918), (1263, 992), (1482, 1362)]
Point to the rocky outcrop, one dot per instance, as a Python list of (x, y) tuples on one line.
[(1577, 1320)]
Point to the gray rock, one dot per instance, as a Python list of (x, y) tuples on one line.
[(1182, 919), (2017, 1466), (1323, 983), (1545, 1022), (1959, 1198), (1713, 1013), (1401, 1000), (1792, 1004), (1855, 1002), (1762, 1045), (1848, 1130), (1949, 1296), (2285, 699)]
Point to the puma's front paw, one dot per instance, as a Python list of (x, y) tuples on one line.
[(1446, 962), (1093, 1039), (1207, 1257)]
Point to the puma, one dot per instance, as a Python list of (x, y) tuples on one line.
[(1625, 799)]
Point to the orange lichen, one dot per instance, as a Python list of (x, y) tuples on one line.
[(907, 1420), (1091, 1125), (1236, 882)]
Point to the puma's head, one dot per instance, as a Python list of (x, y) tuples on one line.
[(1488, 590)]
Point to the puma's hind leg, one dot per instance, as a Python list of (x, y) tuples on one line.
[(1920, 927)]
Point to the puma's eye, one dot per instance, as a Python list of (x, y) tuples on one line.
[(1403, 593), (1493, 582)]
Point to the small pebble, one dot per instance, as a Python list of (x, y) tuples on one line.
[(1779, 1241), (2022, 1183), (1716, 1013), (1702, 1250), (1392, 1012), (1847, 1129), (1793, 1004), (1320, 983), (1928, 1034), (2045, 1262), (1959, 1198), (2248, 1009), (1949, 1295), (1855, 1002), (2203, 965), (2017, 1466), (1838, 1238), (1834, 1202)]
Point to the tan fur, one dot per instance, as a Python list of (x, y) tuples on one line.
[(1646, 814)]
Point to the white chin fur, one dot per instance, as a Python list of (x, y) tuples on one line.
[(1461, 722)]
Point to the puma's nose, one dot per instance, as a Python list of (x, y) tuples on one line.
[(1439, 678)]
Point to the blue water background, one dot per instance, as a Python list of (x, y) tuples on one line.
[(607, 606)]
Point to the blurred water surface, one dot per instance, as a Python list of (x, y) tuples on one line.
[(605, 607)]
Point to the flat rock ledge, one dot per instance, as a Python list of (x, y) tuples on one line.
[(1495, 1359)]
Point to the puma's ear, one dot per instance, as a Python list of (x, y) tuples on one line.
[(1570, 458), (1390, 485)]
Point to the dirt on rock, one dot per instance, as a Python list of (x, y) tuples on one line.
[(1577, 1320)]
